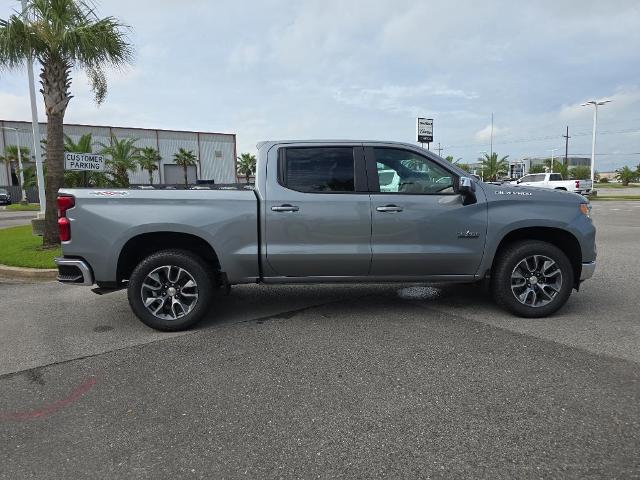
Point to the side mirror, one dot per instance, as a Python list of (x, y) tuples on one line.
[(518, 182), (467, 188)]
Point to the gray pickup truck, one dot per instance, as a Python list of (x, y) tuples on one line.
[(327, 212)]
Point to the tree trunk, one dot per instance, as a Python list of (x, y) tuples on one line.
[(186, 183), (150, 177), (55, 177), (55, 82)]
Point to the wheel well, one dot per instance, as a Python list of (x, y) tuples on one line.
[(143, 245), (562, 239)]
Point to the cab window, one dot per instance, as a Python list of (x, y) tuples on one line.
[(318, 169), (533, 178), (402, 171)]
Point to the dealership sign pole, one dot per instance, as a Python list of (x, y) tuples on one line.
[(424, 131)]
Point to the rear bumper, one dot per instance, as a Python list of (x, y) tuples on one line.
[(74, 270), (587, 270)]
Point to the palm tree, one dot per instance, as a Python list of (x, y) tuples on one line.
[(124, 157), (580, 172), (83, 145), (246, 165), (185, 158), (492, 167), (10, 157), (62, 35), (558, 167), (626, 175), (148, 160)]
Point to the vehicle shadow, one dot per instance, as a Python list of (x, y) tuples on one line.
[(249, 303)]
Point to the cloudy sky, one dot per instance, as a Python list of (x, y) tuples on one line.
[(273, 69)]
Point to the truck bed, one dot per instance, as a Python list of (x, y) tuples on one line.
[(104, 220)]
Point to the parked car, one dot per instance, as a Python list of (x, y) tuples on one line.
[(555, 182), (319, 214), (5, 197)]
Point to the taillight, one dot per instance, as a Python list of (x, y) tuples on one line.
[(64, 225), (577, 183)]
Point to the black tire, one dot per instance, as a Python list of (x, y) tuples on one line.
[(505, 266), (189, 263)]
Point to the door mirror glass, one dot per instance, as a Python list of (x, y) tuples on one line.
[(466, 186), (467, 189)]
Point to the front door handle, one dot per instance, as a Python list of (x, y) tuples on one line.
[(389, 208), (285, 208)]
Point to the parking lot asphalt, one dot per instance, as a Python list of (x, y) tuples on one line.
[(329, 381)]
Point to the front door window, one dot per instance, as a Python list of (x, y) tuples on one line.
[(401, 171)]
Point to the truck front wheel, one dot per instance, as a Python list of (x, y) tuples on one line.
[(170, 290), (532, 278)]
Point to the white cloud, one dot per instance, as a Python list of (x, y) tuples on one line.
[(330, 68), (16, 107), (484, 135), (407, 99)]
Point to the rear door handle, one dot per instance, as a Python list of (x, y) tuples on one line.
[(285, 208), (389, 208)]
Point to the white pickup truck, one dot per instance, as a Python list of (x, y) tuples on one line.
[(554, 181)]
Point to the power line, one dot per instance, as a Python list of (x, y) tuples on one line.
[(548, 137)]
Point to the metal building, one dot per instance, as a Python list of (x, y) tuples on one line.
[(216, 152)]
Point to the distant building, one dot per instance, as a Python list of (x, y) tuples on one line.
[(611, 176), (216, 152)]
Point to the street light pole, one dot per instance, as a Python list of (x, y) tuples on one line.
[(35, 127), (595, 104), (23, 198), (553, 150)]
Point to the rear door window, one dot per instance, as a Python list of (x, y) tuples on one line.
[(318, 169)]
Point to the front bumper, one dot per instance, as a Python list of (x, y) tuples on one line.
[(74, 270), (587, 270)]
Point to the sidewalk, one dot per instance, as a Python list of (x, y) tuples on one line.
[(12, 219)]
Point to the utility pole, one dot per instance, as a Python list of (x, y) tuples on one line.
[(439, 149), (491, 135), (566, 148), (35, 127)]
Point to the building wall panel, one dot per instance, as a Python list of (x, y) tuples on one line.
[(215, 151)]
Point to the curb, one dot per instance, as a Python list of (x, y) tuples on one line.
[(28, 273)]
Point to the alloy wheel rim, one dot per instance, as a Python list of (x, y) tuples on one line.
[(169, 292), (536, 280)]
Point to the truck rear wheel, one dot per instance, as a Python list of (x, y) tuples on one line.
[(170, 290), (532, 279)]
